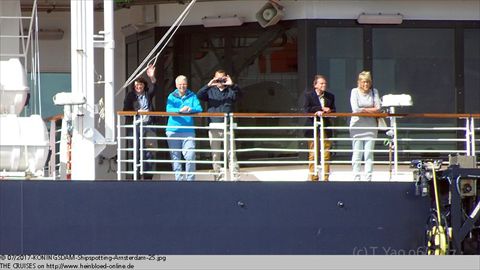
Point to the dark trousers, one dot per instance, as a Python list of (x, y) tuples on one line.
[(147, 155)]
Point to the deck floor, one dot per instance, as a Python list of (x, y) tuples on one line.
[(300, 173)]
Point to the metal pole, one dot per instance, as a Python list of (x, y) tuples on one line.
[(141, 145), (119, 146), (315, 146), (472, 136), (82, 63), (134, 149), (225, 143), (53, 148), (230, 148), (395, 141), (108, 70), (322, 148), (468, 133)]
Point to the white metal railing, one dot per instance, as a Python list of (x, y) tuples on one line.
[(128, 156), (53, 167), (405, 141)]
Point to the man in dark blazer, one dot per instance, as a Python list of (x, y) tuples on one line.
[(320, 102)]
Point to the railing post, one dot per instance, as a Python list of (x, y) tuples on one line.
[(231, 149), (468, 133), (134, 126), (315, 146), (322, 148), (53, 148), (472, 136), (141, 145), (119, 146), (393, 121)]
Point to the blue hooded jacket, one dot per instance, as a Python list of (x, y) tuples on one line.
[(174, 103)]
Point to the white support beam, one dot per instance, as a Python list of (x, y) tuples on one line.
[(109, 71), (82, 57)]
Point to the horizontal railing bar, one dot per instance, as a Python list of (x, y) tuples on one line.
[(180, 138), (272, 139), (403, 139), (126, 172), (179, 127), (429, 140), (274, 128), (398, 128), (271, 149), (350, 150), (181, 173), (259, 115), (433, 151), (272, 162), (173, 149), (170, 149), (126, 160), (134, 113), (179, 161)]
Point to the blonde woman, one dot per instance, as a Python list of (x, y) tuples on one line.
[(363, 99)]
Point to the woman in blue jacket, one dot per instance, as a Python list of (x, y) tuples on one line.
[(182, 100)]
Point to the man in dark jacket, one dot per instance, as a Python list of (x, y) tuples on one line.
[(220, 94), (319, 101), (140, 99)]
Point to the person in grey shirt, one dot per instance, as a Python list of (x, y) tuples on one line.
[(363, 99)]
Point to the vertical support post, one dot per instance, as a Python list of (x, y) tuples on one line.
[(315, 146), (135, 146), (393, 121), (108, 70), (230, 148), (225, 143), (472, 136), (119, 146), (468, 135), (53, 149), (82, 63), (141, 144), (322, 148)]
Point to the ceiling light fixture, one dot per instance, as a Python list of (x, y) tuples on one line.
[(380, 18)]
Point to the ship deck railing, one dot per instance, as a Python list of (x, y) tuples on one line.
[(269, 143)]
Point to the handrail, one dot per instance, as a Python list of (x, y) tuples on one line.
[(134, 113), (337, 114)]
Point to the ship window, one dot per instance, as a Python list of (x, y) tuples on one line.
[(472, 70)]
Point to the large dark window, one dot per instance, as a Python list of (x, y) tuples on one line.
[(472, 70), (340, 58), (418, 62)]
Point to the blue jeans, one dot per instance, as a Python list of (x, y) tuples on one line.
[(365, 146), (185, 145)]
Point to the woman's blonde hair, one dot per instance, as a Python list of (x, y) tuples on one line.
[(365, 76)]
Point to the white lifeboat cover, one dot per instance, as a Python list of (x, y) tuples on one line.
[(13, 86)]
